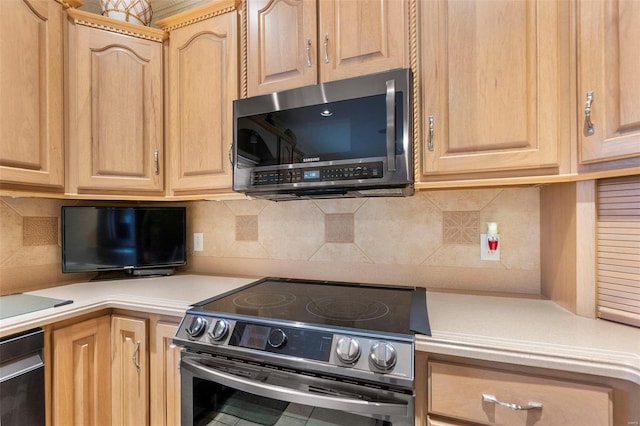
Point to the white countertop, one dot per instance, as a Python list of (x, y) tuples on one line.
[(159, 295), (530, 332)]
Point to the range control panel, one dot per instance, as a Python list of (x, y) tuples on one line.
[(318, 174), (389, 357)]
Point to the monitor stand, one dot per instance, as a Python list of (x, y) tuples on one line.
[(133, 273), (152, 272)]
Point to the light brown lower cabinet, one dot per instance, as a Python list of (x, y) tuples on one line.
[(116, 369), (462, 393), (129, 371), (81, 373), (165, 375)]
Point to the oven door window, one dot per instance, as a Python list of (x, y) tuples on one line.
[(218, 405)]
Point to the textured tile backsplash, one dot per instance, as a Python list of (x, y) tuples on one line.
[(430, 239), (460, 227), (39, 231)]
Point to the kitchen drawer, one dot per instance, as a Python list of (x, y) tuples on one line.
[(456, 391)]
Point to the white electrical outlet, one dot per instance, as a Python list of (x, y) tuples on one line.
[(198, 241), (485, 253)]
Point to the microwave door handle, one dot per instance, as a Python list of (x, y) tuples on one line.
[(293, 395), (391, 125)]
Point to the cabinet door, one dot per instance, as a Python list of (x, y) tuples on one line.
[(202, 86), (362, 37), (81, 391), (281, 45), (31, 113), (115, 112), (129, 371), (165, 376), (492, 74), (609, 63)]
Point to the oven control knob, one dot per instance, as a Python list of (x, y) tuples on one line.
[(348, 350), (196, 327), (218, 330), (277, 338), (383, 356)]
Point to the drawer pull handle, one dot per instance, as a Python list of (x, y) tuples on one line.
[(530, 406)]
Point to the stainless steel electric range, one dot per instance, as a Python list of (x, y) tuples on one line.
[(284, 351)]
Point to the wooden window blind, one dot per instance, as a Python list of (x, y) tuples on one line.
[(618, 250)]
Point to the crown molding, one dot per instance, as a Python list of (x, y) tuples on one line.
[(80, 17), (197, 14)]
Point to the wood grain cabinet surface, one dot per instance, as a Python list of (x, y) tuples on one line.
[(294, 43), (203, 82), (495, 88), (31, 94), (464, 393), (115, 110), (164, 363), (120, 368), (81, 373), (608, 69), (129, 370)]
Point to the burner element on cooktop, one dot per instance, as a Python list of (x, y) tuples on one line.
[(264, 300), (343, 309)]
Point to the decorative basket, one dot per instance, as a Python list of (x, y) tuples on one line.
[(134, 11)]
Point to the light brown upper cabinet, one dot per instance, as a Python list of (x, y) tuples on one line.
[(294, 43), (31, 90), (495, 88), (203, 82), (609, 87), (115, 107)]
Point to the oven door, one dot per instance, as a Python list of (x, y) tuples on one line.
[(218, 390)]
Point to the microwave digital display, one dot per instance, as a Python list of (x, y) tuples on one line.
[(311, 174)]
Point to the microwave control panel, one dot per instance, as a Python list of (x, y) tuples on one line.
[(318, 174)]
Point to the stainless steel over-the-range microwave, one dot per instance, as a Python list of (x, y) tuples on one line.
[(346, 138)]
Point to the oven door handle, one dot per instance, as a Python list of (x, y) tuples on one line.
[(292, 395)]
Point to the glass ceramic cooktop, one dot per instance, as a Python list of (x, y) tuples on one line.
[(367, 307)]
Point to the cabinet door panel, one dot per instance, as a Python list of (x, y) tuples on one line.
[(490, 82), (491, 74), (117, 72), (129, 371), (281, 45), (81, 392), (609, 60), (361, 37), (31, 61), (165, 377), (115, 112), (203, 85)]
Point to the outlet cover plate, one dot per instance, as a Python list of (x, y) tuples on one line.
[(198, 241)]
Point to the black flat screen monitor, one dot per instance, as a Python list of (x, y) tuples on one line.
[(97, 239)]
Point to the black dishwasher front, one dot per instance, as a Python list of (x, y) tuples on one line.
[(22, 379)]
